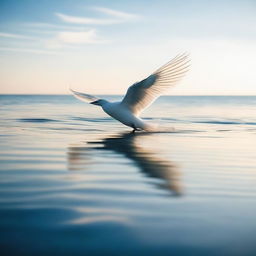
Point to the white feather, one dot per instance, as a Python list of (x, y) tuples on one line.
[(142, 94), (84, 97)]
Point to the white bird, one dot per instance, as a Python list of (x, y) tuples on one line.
[(142, 94)]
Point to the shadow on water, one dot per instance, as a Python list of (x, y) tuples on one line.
[(149, 163)]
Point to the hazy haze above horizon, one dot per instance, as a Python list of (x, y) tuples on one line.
[(102, 47)]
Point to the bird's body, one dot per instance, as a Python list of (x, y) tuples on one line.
[(141, 94), (121, 113)]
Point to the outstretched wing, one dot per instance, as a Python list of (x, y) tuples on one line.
[(84, 97), (142, 94)]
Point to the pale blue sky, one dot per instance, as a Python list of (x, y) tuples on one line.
[(104, 46)]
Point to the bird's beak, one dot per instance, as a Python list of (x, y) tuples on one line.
[(96, 102)]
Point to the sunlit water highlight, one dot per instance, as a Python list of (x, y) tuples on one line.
[(75, 182)]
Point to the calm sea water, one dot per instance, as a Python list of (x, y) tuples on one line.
[(73, 181)]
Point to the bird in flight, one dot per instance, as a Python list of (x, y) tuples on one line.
[(142, 94)]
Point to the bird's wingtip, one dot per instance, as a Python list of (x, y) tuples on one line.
[(70, 89)]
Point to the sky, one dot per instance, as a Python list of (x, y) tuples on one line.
[(103, 46)]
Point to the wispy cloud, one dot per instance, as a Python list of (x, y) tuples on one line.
[(75, 38), (17, 36), (85, 37), (86, 21), (68, 34), (115, 13), (117, 17)]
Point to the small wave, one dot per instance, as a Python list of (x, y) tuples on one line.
[(161, 119), (167, 130), (94, 120), (204, 121), (36, 120), (73, 129), (224, 122)]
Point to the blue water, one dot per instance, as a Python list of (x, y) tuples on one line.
[(73, 181)]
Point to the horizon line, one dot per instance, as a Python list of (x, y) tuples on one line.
[(66, 94)]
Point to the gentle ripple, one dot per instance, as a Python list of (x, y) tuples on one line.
[(75, 182)]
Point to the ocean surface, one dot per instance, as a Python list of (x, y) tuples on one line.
[(73, 181)]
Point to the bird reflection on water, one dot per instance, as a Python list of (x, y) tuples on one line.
[(127, 144)]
